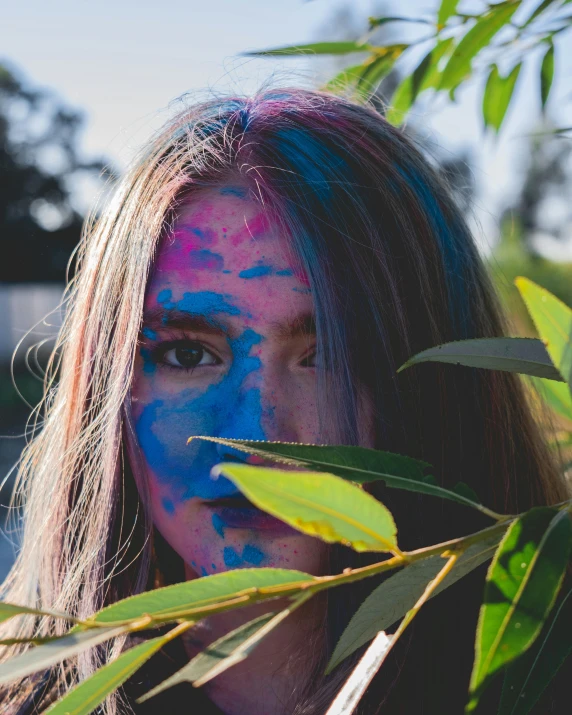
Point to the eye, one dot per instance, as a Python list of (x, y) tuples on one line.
[(189, 355), (309, 360)]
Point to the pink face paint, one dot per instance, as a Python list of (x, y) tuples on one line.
[(223, 354)]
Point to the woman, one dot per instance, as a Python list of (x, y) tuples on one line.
[(262, 271)]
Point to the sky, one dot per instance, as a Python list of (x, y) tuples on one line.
[(124, 63)]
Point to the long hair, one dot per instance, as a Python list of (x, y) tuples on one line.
[(393, 270)]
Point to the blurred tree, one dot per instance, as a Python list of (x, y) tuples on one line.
[(542, 207), (39, 226)]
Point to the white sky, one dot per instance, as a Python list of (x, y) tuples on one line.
[(122, 62)]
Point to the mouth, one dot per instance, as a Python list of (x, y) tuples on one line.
[(240, 513)]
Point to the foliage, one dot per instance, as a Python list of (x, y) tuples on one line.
[(457, 46), (321, 494)]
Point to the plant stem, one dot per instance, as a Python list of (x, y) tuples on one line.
[(355, 686)]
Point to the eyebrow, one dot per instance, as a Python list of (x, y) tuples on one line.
[(304, 324), (157, 318)]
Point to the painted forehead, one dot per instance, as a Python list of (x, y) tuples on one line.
[(223, 231)]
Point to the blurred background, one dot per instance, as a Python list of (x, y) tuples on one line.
[(82, 85)]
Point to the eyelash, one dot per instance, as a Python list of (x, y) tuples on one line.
[(157, 353), (160, 350)]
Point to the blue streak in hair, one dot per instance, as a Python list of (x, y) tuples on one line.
[(233, 191), (451, 248)]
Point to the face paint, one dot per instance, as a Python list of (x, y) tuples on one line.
[(224, 352), (229, 408)]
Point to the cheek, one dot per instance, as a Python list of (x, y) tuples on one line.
[(163, 426)]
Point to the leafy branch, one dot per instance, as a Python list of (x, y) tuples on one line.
[(460, 44), (321, 494)]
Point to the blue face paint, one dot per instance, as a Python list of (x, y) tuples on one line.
[(205, 260), (168, 506), (255, 272), (149, 366), (231, 558), (205, 302), (218, 525), (164, 298), (148, 333), (285, 272), (227, 408), (252, 555)]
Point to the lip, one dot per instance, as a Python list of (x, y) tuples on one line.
[(239, 513)]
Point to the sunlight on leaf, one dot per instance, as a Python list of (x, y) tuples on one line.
[(553, 321), (197, 593), (556, 395), (317, 504), (522, 584)]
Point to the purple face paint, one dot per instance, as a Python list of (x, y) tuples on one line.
[(222, 355)]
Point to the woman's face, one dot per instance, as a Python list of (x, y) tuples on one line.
[(227, 350)]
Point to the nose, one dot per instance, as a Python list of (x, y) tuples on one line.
[(244, 421)]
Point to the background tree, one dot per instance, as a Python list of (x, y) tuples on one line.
[(39, 163)]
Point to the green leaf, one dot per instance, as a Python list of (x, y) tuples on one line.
[(497, 96), (522, 584), (357, 464), (527, 356), (375, 71), (212, 656), (9, 610), (459, 66), (553, 321), (424, 76), (556, 394), (546, 73), (378, 21), (205, 591), (344, 79), (91, 692), (44, 656), (317, 504), (529, 675), (395, 596), (315, 48), (446, 10)]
